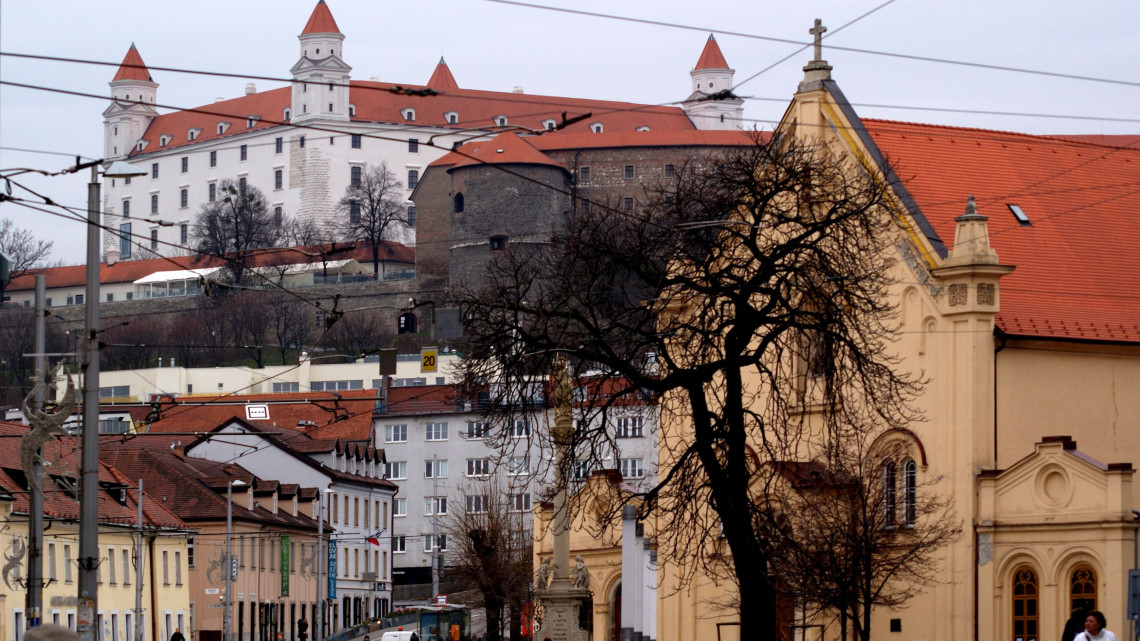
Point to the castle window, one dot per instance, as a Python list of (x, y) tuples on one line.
[(355, 174), (278, 145), (184, 198), (213, 158), (354, 212), (642, 128), (244, 152), (331, 86), (193, 134), (457, 203), (124, 241), (1082, 589), (584, 174), (1024, 603), (356, 141), (278, 178), (670, 171), (115, 130), (126, 209), (301, 142), (722, 117), (185, 164), (154, 239), (413, 145), (411, 217), (627, 204), (213, 189), (628, 172), (413, 178), (278, 216), (498, 243), (352, 111), (154, 203), (330, 107), (154, 170), (287, 114)]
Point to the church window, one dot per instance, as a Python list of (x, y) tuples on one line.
[(278, 145), (1019, 214), (890, 493), (910, 504), (413, 178), (413, 145), (356, 141), (1024, 604), (1082, 589)]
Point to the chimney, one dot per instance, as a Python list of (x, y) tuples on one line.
[(220, 99), (250, 88), (112, 256), (517, 89)]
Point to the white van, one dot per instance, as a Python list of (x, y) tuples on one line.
[(400, 635)]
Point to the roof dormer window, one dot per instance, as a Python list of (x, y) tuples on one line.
[(163, 139), (642, 128), (501, 120), (409, 115), (452, 117), (223, 127), (549, 124), (596, 127), (141, 145), (250, 121), (351, 110), (1019, 214), (193, 134), (287, 114)]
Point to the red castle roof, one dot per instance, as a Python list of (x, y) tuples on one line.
[(321, 21), (505, 149), (132, 67), (441, 79), (711, 57), (1076, 275)]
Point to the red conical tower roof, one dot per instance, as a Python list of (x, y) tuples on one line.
[(441, 78), (321, 21), (711, 57), (506, 148), (133, 67)]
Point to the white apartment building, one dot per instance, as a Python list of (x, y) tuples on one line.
[(303, 144), (356, 500)]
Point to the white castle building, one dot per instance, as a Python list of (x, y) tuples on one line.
[(303, 144)]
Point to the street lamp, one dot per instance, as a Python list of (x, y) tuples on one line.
[(322, 560), (229, 566), (87, 601)]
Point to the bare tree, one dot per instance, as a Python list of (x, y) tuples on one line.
[(17, 338), (235, 225), (292, 323), (490, 551), (318, 239), (249, 321), (860, 532), (748, 290), (22, 248), (371, 205), (358, 332)]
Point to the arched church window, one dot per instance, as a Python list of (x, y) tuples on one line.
[(1082, 589), (890, 493), (1024, 604), (910, 476)]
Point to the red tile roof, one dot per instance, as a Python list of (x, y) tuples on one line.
[(375, 102), (132, 270), (441, 79), (505, 149), (321, 21), (352, 412), (132, 67), (1077, 276), (711, 57)]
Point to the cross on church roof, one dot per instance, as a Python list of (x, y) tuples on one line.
[(818, 30)]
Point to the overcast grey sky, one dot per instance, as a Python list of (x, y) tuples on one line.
[(497, 47)]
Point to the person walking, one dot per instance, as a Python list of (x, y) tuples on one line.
[(177, 636), (1094, 629), (1075, 625), (303, 629)]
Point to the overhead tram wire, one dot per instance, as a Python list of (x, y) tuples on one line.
[(904, 56)]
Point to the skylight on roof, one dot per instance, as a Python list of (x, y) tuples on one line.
[(1018, 214)]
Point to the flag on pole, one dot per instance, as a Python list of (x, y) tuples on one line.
[(374, 539)]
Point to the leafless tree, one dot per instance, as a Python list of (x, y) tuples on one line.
[(249, 322), (320, 240), (358, 332), (17, 338), (372, 204), (489, 551), (22, 248), (861, 532), (134, 342), (292, 323), (750, 289), (235, 225)]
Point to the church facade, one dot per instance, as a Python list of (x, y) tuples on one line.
[(302, 145)]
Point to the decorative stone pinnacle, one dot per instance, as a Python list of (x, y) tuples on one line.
[(971, 211)]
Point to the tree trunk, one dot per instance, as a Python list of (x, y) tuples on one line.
[(376, 261), (493, 605)]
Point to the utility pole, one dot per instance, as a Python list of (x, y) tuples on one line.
[(435, 527), (318, 616), (139, 570), (87, 601), (34, 599), (230, 566)]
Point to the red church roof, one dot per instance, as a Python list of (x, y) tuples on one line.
[(711, 57), (321, 21), (1077, 274), (441, 79), (132, 67)]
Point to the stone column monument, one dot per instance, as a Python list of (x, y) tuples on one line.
[(568, 589)]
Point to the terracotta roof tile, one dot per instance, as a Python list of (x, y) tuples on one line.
[(441, 79), (132, 67), (506, 149), (1076, 275), (321, 21), (711, 57)]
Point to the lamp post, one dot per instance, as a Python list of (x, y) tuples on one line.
[(322, 561), (227, 601), (87, 601)]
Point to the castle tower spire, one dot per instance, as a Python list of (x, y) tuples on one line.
[(133, 95), (712, 105), (320, 87), (441, 79)]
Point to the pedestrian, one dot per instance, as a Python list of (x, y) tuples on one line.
[(303, 629), (1094, 629), (177, 636), (1075, 625)]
